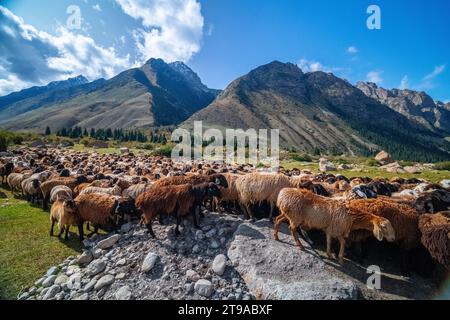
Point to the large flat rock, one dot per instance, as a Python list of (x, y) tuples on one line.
[(280, 271)]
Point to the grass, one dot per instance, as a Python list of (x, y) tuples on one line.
[(27, 250), (372, 172)]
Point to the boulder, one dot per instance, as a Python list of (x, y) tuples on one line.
[(149, 262), (219, 264), (108, 242), (204, 288), (276, 270), (124, 150), (384, 158), (124, 293), (104, 282), (325, 165)]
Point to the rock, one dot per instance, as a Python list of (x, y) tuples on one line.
[(393, 167), (87, 243), (124, 150), (219, 264), (413, 169), (196, 249), (72, 269), (90, 286), (24, 296), (83, 297), (104, 282), (189, 288), (149, 262), (214, 244), (96, 253), (445, 183), (51, 292), (121, 262), (384, 158), (204, 288), (61, 279), (199, 235), (325, 165), (51, 271), (95, 267), (275, 270), (39, 282), (49, 281), (126, 227), (108, 242), (123, 293), (85, 258), (121, 276), (192, 275), (344, 167), (211, 233)]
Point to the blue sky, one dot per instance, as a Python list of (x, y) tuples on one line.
[(224, 39)]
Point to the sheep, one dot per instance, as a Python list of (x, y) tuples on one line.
[(61, 193), (229, 194), (403, 218), (6, 170), (47, 187), (182, 199), (15, 181), (435, 229), (433, 201), (218, 179), (64, 212), (135, 190), (98, 209), (31, 189), (255, 188), (304, 208), (114, 191)]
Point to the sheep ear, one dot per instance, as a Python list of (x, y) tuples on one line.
[(377, 233)]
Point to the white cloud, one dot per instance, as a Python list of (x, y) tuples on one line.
[(428, 81), (312, 66), (437, 71), (375, 77), (404, 83), (50, 57), (352, 50), (171, 29), (97, 7)]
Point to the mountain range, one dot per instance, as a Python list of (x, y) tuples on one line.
[(315, 112)]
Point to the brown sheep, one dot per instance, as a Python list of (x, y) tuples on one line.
[(65, 213), (229, 195), (302, 208), (218, 179), (435, 230), (47, 187), (97, 209), (403, 218), (182, 200)]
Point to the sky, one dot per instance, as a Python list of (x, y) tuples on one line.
[(221, 40)]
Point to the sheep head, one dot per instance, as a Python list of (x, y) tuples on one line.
[(70, 206), (221, 181), (382, 229)]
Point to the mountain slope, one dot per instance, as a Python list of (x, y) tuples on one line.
[(156, 94), (416, 106), (318, 111)]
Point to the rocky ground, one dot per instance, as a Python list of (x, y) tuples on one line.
[(228, 259)]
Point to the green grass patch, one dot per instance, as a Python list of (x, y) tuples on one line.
[(27, 250)]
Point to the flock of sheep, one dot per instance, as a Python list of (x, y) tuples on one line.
[(108, 190)]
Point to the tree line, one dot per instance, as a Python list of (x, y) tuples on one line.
[(111, 134)]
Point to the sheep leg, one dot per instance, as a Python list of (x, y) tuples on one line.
[(245, 212), (177, 228), (341, 250), (150, 229), (276, 227), (80, 231), (88, 227), (45, 203), (329, 240), (295, 235), (66, 236), (305, 236), (194, 216), (61, 231), (271, 212), (51, 229)]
